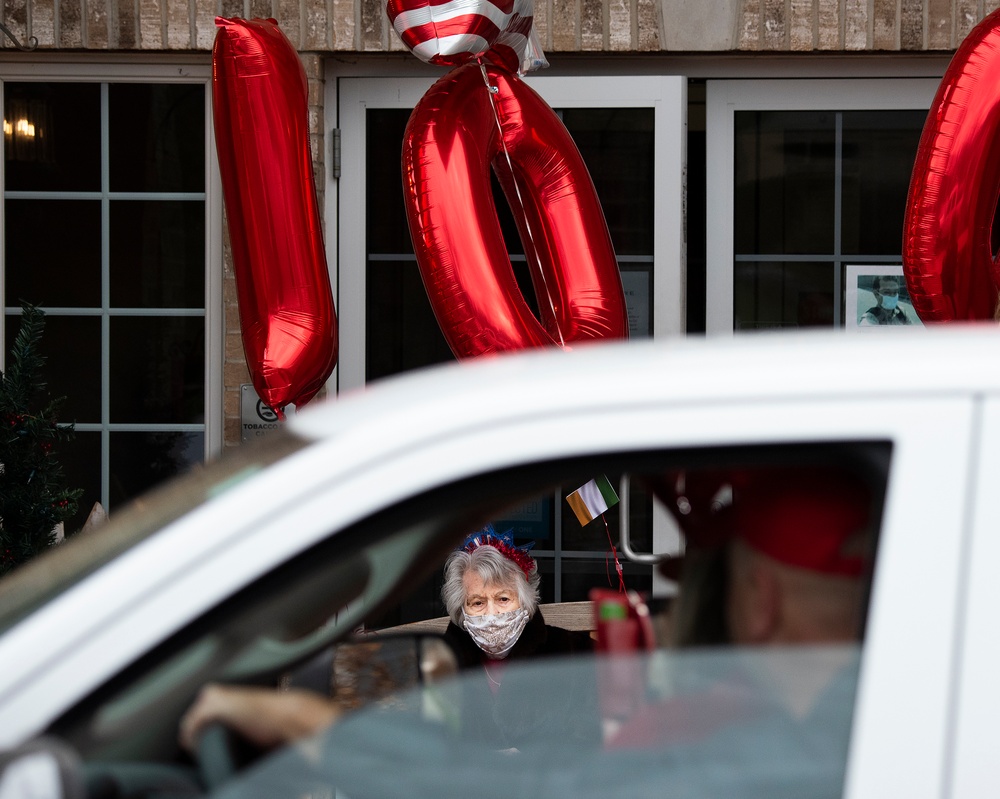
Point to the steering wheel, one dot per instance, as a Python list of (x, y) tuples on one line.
[(217, 755)]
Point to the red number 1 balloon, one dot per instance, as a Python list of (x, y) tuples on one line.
[(950, 269), (287, 316)]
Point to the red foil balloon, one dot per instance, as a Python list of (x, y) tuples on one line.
[(948, 262), (457, 131), (453, 32), (287, 316)]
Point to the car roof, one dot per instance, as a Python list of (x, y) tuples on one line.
[(957, 358)]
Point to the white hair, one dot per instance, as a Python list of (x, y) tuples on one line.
[(494, 568)]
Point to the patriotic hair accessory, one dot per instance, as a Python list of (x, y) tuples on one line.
[(504, 543)]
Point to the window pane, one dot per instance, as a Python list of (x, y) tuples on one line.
[(74, 364), (140, 461), (402, 331), (158, 369), (879, 149), (530, 521), (71, 347), (54, 143), (600, 534), (580, 575), (785, 177), (53, 253), (81, 461), (769, 295), (157, 137), (385, 214), (158, 254), (618, 146)]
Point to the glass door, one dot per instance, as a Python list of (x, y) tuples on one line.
[(807, 184), (632, 135)]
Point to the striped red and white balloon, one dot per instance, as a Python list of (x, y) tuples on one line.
[(453, 32)]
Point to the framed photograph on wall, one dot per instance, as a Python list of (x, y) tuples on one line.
[(877, 297)]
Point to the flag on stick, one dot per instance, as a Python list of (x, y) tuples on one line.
[(591, 500)]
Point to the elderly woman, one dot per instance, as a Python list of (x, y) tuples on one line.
[(491, 594)]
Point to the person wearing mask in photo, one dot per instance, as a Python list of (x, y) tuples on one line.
[(491, 592), (886, 310)]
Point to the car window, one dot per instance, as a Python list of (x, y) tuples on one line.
[(703, 714), (377, 571), (708, 722)]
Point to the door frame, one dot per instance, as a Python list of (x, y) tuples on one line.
[(349, 98), (723, 99)]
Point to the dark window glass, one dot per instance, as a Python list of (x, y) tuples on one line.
[(402, 333), (385, 213), (878, 155), (617, 145), (81, 459), (140, 461), (54, 138), (73, 364), (157, 254), (785, 182), (579, 575), (71, 347), (770, 295), (602, 533), (53, 253), (531, 521), (158, 369), (157, 139)]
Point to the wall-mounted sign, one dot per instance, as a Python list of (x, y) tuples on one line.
[(256, 417)]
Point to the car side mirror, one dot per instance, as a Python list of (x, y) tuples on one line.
[(41, 769)]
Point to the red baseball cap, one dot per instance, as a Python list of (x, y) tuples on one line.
[(813, 518), (810, 518)]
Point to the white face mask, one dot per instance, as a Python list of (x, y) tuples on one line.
[(496, 634)]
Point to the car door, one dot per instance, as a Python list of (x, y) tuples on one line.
[(975, 691), (920, 474)]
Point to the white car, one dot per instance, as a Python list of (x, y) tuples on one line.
[(253, 567)]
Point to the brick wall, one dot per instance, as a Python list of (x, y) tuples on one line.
[(614, 26), (858, 25)]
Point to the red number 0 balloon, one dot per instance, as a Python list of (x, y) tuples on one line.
[(948, 261), (457, 131), (287, 316)]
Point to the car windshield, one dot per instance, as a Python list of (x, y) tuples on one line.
[(751, 722), (30, 586)]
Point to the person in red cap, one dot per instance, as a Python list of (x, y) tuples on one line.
[(779, 567), (800, 544), (773, 555)]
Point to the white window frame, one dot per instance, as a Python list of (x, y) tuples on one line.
[(121, 70), (723, 99), (667, 95)]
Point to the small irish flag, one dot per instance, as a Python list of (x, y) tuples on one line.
[(591, 500)]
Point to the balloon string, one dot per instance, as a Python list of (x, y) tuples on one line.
[(491, 91), (614, 554)]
